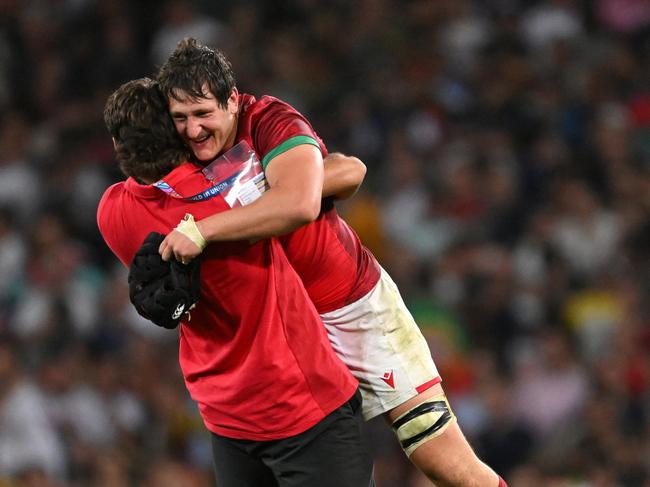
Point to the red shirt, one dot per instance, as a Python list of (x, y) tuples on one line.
[(255, 356), (327, 254)]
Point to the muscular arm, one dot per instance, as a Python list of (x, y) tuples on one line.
[(295, 180), (343, 175)]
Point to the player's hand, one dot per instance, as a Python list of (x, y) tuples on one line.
[(185, 243), (180, 247)]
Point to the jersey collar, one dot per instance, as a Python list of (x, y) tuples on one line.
[(174, 178)]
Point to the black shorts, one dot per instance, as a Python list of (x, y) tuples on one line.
[(330, 454)]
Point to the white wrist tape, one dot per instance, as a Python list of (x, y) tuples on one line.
[(188, 227)]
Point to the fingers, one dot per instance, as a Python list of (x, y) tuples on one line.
[(181, 258), (180, 247), (165, 250)]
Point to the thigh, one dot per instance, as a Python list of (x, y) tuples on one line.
[(379, 341), (331, 454), (235, 467)]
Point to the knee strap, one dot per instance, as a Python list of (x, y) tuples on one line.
[(423, 422)]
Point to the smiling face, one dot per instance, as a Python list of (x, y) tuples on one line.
[(207, 128)]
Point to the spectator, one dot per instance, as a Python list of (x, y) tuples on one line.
[(29, 441)]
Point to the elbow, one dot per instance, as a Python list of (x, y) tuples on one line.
[(353, 178), (358, 171), (305, 212)]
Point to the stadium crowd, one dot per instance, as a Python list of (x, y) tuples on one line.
[(508, 194)]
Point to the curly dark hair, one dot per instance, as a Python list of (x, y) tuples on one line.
[(146, 142), (191, 67)]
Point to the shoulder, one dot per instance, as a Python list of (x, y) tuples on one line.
[(109, 211), (108, 200), (271, 122), (266, 106)]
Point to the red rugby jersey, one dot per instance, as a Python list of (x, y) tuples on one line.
[(255, 356), (327, 254)]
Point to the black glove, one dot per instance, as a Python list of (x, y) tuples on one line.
[(147, 266), (162, 291)]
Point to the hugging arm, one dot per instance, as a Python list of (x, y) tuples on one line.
[(295, 180), (343, 175)]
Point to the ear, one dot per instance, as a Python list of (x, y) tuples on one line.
[(233, 101)]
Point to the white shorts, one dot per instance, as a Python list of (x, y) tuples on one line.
[(379, 341)]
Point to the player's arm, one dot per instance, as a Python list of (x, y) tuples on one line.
[(343, 175), (295, 180)]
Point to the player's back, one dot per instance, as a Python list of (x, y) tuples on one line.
[(254, 354)]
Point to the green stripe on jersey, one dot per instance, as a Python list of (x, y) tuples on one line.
[(286, 145)]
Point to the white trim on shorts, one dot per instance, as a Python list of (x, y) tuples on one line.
[(379, 341)]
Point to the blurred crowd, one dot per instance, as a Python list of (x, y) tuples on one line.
[(508, 194)]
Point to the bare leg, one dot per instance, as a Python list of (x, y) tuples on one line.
[(447, 460)]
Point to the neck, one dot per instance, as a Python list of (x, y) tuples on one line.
[(233, 134)]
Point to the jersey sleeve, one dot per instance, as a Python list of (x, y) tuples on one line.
[(279, 127)]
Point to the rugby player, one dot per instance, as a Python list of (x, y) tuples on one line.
[(280, 405), (367, 322)]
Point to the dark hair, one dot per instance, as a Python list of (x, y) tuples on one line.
[(193, 65), (146, 141)]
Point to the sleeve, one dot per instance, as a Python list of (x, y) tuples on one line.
[(279, 127)]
